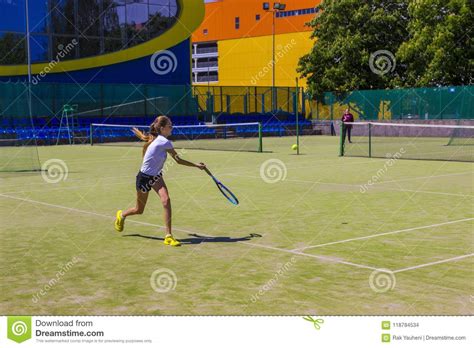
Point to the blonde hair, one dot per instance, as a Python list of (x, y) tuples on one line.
[(155, 130)]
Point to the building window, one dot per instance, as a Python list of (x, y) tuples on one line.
[(12, 49), (237, 22), (204, 31), (300, 12), (257, 17), (98, 26)]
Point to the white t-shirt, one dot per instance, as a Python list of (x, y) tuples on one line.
[(155, 156)]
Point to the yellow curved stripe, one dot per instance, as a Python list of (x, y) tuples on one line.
[(191, 16)]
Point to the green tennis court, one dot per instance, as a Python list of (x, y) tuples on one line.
[(315, 233)]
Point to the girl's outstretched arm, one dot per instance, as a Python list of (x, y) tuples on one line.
[(183, 162)]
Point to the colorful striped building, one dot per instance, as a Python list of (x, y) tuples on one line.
[(100, 41), (234, 44)]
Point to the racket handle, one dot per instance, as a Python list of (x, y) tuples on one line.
[(208, 171)]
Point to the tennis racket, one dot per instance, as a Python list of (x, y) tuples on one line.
[(224, 190)]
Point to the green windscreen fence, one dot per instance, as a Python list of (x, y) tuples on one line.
[(249, 99), (408, 141), (21, 129), (104, 100), (453, 102), (18, 147)]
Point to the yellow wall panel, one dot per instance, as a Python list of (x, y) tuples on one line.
[(248, 61)]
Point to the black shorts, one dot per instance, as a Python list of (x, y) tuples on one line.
[(145, 182)]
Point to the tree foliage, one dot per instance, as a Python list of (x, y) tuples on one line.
[(440, 49), (378, 44)]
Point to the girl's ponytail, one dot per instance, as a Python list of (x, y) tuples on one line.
[(155, 130)]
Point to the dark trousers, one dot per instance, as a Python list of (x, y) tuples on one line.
[(347, 132)]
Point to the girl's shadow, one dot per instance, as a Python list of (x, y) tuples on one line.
[(202, 239)]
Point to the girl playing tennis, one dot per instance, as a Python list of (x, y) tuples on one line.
[(150, 175)]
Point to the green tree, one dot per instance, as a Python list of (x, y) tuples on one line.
[(440, 50), (347, 33)]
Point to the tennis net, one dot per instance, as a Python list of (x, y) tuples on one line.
[(19, 155), (221, 137), (408, 141), (143, 106), (18, 146)]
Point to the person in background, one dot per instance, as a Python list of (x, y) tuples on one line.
[(347, 117)]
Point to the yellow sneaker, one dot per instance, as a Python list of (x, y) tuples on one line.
[(169, 240), (119, 222)]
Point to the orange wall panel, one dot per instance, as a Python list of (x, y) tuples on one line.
[(220, 20)]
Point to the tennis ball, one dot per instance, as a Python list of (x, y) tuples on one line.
[(294, 147)]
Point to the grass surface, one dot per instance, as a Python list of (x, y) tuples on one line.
[(259, 261)]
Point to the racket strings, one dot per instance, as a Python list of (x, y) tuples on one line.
[(228, 194)]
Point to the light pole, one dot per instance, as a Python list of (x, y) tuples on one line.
[(277, 6), (28, 50)]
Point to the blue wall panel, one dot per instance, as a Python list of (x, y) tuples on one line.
[(171, 68)]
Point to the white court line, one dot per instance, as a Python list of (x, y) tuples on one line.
[(130, 181), (383, 234), (377, 183), (55, 206), (434, 263), (294, 252), (293, 180), (424, 177), (436, 193), (217, 173), (324, 258), (106, 182), (359, 185)]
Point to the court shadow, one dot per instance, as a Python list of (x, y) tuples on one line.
[(197, 239)]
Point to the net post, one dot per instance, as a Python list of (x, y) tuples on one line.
[(341, 140), (90, 134), (297, 121), (370, 140), (260, 138)]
